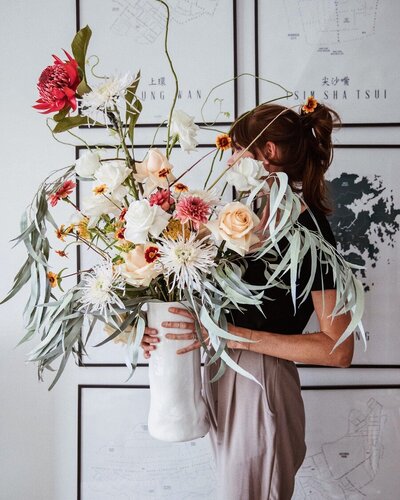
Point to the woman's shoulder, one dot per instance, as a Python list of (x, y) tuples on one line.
[(311, 215)]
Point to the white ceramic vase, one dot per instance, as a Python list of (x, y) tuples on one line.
[(177, 409)]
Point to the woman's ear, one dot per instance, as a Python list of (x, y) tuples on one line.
[(270, 151)]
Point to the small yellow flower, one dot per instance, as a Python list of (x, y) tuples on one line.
[(164, 173), (102, 188), (310, 104), (119, 234), (223, 141), (175, 228), (82, 229), (124, 245), (62, 231), (180, 188), (53, 279), (61, 253)]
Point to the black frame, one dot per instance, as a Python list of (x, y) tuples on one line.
[(257, 67), (81, 387), (78, 250), (235, 71)]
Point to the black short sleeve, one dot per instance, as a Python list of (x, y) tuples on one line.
[(327, 272), (322, 266)]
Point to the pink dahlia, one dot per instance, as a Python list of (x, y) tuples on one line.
[(57, 85), (162, 198), (194, 209), (63, 192)]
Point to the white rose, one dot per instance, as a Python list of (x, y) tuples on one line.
[(142, 219), (96, 205), (183, 126), (245, 175), (87, 164), (112, 173), (235, 226)]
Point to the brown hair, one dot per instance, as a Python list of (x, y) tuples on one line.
[(304, 146)]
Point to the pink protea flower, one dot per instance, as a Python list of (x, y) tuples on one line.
[(57, 85), (162, 198), (194, 209), (63, 192)]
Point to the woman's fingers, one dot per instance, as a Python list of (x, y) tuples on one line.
[(150, 339), (183, 325), (180, 336), (191, 347), (182, 312), (150, 331)]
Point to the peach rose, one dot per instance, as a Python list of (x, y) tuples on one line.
[(235, 225), (139, 266), (154, 171)]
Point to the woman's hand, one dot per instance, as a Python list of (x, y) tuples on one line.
[(240, 332), (149, 341), (185, 325)]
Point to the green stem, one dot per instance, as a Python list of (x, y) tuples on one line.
[(129, 161), (175, 77), (190, 168), (211, 170)]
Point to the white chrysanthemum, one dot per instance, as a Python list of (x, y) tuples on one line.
[(99, 288), (105, 96), (185, 260)]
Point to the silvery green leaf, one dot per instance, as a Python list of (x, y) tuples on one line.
[(209, 324), (128, 320)]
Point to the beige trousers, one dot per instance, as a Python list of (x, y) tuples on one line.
[(257, 435)]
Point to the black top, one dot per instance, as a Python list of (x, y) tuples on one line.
[(279, 312)]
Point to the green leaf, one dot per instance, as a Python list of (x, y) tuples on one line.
[(61, 114), (79, 47), (132, 104), (71, 122)]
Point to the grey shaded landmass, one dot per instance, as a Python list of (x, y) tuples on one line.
[(364, 218)]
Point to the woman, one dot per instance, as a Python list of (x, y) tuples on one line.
[(257, 435)]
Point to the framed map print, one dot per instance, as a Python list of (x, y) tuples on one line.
[(119, 460), (113, 353), (129, 35), (364, 184), (353, 443), (342, 52)]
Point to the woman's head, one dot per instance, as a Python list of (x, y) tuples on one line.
[(298, 144)]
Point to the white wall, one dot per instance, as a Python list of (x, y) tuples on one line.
[(38, 428)]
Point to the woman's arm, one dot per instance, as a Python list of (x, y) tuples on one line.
[(313, 348)]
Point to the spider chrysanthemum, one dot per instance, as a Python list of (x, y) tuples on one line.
[(99, 289), (186, 260)]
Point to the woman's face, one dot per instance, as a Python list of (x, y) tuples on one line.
[(238, 152)]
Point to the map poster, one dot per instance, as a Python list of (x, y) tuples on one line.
[(363, 181), (119, 460), (343, 52), (129, 35), (113, 353), (353, 444)]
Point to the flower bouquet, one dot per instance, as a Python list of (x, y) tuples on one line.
[(157, 241)]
